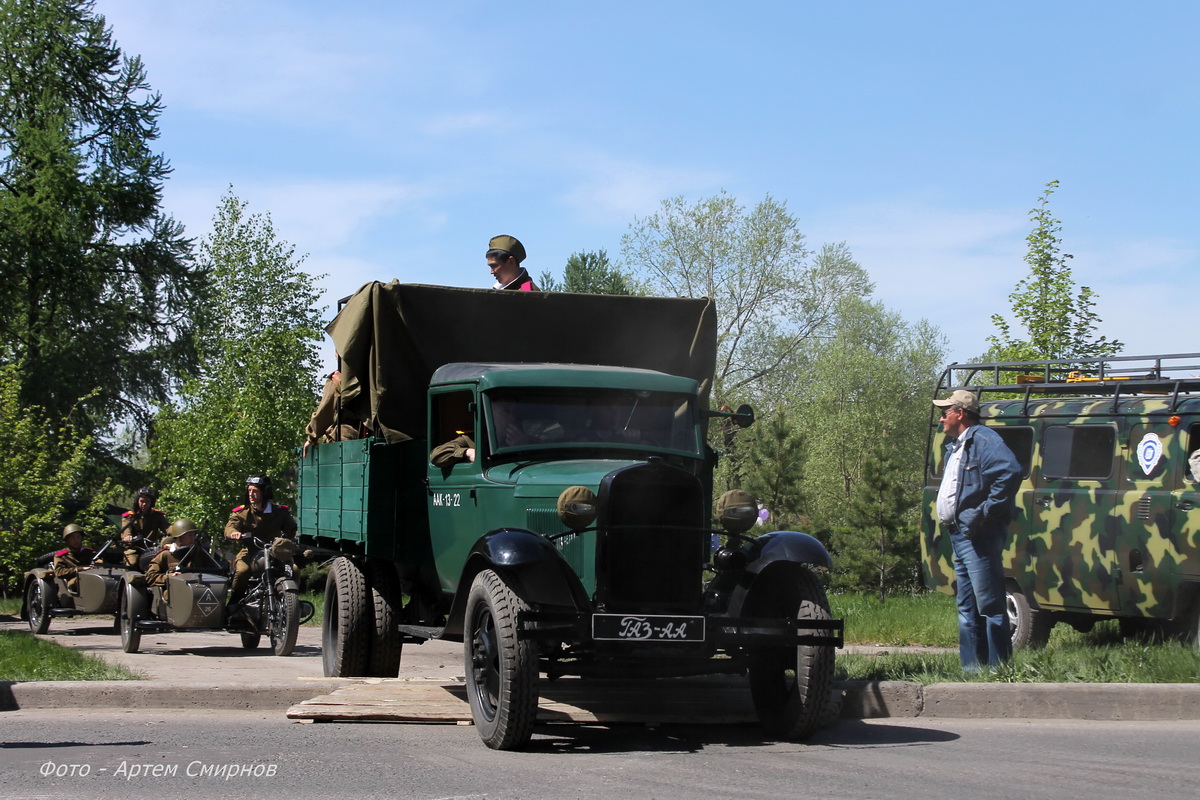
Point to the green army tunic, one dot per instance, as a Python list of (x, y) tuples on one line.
[(151, 526), (67, 563), (273, 521)]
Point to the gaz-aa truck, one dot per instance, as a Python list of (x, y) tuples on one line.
[(570, 533)]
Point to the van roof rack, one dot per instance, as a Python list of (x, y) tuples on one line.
[(1172, 374)]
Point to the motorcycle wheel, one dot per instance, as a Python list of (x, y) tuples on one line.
[(285, 622), (37, 600), (250, 640)]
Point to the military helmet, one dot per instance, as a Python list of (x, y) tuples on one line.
[(182, 526), (263, 483), (72, 528), (146, 491)]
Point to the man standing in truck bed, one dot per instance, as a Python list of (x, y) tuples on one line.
[(504, 257), (974, 504)]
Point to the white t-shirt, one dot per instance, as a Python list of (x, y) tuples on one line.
[(947, 499)]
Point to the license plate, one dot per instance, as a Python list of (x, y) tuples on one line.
[(647, 628)]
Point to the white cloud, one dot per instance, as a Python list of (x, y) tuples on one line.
[(613, 190)]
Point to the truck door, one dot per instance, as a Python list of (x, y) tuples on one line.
[(1074, 562), (455, 519)]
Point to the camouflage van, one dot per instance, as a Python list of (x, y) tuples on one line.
[(1106, 524)]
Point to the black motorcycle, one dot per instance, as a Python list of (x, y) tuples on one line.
[(272, 603)]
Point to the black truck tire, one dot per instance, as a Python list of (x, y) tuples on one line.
[(386, 604), (285, 622), (131, 607), (1030, 626), (346, 628), (502, 670), (792, 686), (37, 601)]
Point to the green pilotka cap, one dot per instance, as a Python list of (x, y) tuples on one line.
[(509, 244)]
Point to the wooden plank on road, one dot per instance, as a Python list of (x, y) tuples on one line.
[(708, 701)]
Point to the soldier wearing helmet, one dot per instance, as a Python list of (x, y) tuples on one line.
[(180, 538), (72, 559), (259, 517), (143, 521)]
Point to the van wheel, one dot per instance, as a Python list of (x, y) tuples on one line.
[(346, 627), (791, 686), (502, 670), (1030, 626)]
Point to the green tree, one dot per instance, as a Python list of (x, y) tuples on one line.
[(865, 397), (1058, 322), (589, 273), (771, 298), (95, 280), (878, 549), (42, 460), (246, 411), (774, 454)]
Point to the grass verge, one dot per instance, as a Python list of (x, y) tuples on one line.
[(1100, 655), (24, 657)]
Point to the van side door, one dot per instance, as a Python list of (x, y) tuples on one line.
[(1072, 555)]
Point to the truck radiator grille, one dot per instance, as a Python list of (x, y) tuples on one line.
[(652, 542)]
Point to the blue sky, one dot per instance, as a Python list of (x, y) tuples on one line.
[(393, 139)]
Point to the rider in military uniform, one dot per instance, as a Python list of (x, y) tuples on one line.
[(259, 516), (177, 544), (73, 558), (143, 521)]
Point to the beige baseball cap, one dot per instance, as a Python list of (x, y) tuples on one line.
[(960, 398)]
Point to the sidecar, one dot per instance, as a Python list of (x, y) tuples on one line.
[(193, 599), (45, 597)]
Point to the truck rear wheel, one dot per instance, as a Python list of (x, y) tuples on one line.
[(386, 604), (346, 628), (502, 670), (1030, 626), (791, 686)]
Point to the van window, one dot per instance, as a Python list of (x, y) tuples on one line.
[(1193, 446), (1078, 451), (1020, 441)]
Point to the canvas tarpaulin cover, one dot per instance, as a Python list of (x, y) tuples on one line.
[(392, 337)]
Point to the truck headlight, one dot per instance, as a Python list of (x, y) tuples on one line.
[(577, 507), (737, 510)]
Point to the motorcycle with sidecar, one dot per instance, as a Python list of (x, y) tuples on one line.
[(45, 596), (194, 598)]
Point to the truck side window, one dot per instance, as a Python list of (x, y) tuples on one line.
[(1078, 451), (452, 416), (1193, 446), (1020, 441)]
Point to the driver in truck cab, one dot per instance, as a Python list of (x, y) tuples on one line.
[(259, 516)]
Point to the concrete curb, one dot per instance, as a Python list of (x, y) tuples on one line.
[(860, 699)]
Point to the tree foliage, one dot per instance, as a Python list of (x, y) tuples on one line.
[(245, 413), (589, 273), (1058, 322), (877, 547), (95, 279), (771, 298), (42, 461)]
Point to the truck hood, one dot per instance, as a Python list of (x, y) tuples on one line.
[(548, 478)]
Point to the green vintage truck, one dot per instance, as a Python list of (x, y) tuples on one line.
[(1107, 524), (575, 538)]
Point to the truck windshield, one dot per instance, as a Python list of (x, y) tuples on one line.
[(524, 419)]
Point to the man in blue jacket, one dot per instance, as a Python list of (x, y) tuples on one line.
[(975, 502)]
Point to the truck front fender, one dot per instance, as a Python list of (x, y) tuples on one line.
[(777, 553), (530, 565)]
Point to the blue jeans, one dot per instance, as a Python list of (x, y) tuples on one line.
[(983, 632)]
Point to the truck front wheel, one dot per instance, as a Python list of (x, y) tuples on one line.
[(502, 670), (791, 686), (346, 626)]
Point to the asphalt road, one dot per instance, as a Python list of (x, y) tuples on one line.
[(163, 754)]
